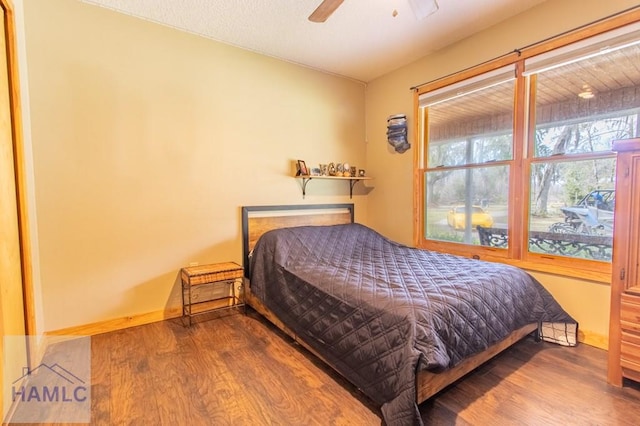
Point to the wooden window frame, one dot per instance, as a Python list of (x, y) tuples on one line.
[(519, 188)]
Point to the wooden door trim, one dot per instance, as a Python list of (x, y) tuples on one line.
[(19, 166)]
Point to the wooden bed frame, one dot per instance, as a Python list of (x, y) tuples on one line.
[(257, 220)]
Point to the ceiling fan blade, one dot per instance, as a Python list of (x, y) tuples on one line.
[(326, 8)]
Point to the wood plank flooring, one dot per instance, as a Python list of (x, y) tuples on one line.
[(238, 369)]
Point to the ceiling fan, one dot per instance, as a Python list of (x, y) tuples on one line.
[(421, 8)]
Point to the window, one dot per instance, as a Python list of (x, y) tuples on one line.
[(468, 157), (582, 105), (517, 161)]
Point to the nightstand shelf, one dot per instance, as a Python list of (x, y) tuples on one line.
[(352, 181), (213, 276)]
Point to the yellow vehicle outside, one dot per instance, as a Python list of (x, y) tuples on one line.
[(456, 217)]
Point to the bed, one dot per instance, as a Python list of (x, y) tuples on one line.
[(399, 323)]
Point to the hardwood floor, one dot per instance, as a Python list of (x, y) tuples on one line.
[(240, 370), (231, 370)]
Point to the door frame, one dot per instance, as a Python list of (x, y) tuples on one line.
[(19, 167)]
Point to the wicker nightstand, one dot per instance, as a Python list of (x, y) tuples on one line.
[(228, 274)]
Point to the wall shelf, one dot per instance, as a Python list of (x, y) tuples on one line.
[(352, 181)]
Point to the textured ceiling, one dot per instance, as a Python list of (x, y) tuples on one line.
[(362, 40)]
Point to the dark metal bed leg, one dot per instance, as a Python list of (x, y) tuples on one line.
[(536, 335)]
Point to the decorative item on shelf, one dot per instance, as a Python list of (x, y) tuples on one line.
[(332, 169), (352, 171), (397, 132), (339, 169), (361, 173), (324, 170), (346, 170), (302, 169), (315, 171)]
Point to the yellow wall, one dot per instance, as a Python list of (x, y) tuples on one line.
[(147, 141), (391, 204)]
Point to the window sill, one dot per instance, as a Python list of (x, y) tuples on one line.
[(600, 273), (600, 276)]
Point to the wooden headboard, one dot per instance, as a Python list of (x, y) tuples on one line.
[(256, 220)]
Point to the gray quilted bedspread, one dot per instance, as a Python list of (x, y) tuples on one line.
[(378, 311)]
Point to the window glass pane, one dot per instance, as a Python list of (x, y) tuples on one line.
[(589, 136), (481, 149), (474, 128), (458, 201), (583, 106), (571, 210)]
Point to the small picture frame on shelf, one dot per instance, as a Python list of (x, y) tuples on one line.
[(302, 169), (361, 173), (315, 171)]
